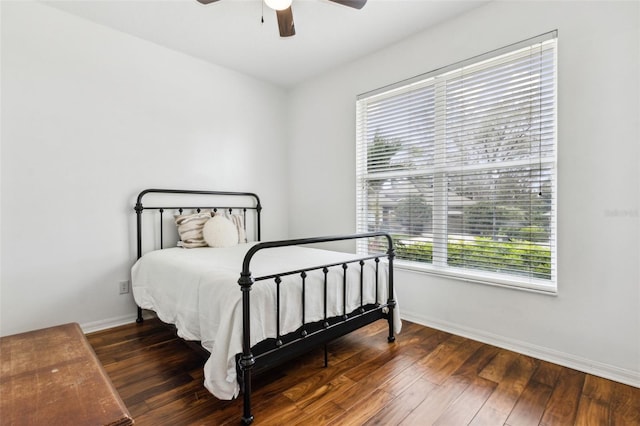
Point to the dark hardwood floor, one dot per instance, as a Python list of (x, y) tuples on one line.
[(426, 377)]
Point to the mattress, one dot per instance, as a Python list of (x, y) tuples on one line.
[(197, 290)]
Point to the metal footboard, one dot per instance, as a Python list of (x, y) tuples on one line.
[(308, 336)]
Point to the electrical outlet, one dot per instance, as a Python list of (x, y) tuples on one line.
[(124, 287)]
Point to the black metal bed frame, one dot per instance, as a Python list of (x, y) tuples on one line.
[(274, 351)]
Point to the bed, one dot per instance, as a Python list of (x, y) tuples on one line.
[(252, 305)]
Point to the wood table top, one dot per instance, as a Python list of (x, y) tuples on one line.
[(52, 376)]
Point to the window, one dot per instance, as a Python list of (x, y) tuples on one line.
[(459, 166)]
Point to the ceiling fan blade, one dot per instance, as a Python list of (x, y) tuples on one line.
[(285, 22), (356, 4), (207, 1)]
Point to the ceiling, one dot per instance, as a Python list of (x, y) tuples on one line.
[(230, 33)]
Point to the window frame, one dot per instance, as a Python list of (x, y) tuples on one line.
[(438, 79)]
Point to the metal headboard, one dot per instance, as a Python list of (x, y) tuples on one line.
[(139, 208)]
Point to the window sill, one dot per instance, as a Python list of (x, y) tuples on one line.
[(480, 277)]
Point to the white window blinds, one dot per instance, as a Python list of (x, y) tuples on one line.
[(459, 165)]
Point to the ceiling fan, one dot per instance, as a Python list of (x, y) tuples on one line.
[(285, 15)]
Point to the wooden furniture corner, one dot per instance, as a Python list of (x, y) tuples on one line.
[(52, 376)]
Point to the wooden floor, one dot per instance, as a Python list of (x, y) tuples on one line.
[(426, 377)]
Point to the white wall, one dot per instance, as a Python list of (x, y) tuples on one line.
[(594, 322), (90, 117)]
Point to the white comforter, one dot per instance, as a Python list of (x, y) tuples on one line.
[(197, 290)]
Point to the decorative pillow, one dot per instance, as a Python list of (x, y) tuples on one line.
[(190, 229), (238, 221), (220, 232)]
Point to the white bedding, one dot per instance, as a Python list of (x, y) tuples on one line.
[(197, 290)]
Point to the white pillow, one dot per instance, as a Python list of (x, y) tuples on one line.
[(220, 232)]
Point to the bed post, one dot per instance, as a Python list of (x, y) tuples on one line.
[(391, 303), (258, 210), (138, 208), (247, 360)]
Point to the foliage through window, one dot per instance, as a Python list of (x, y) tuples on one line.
[(459, 165)]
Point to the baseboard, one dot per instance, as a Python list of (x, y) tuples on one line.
[(91, 327), (595, 368)]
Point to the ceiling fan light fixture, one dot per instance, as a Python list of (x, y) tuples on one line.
[(278, 4), (284, 13)]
